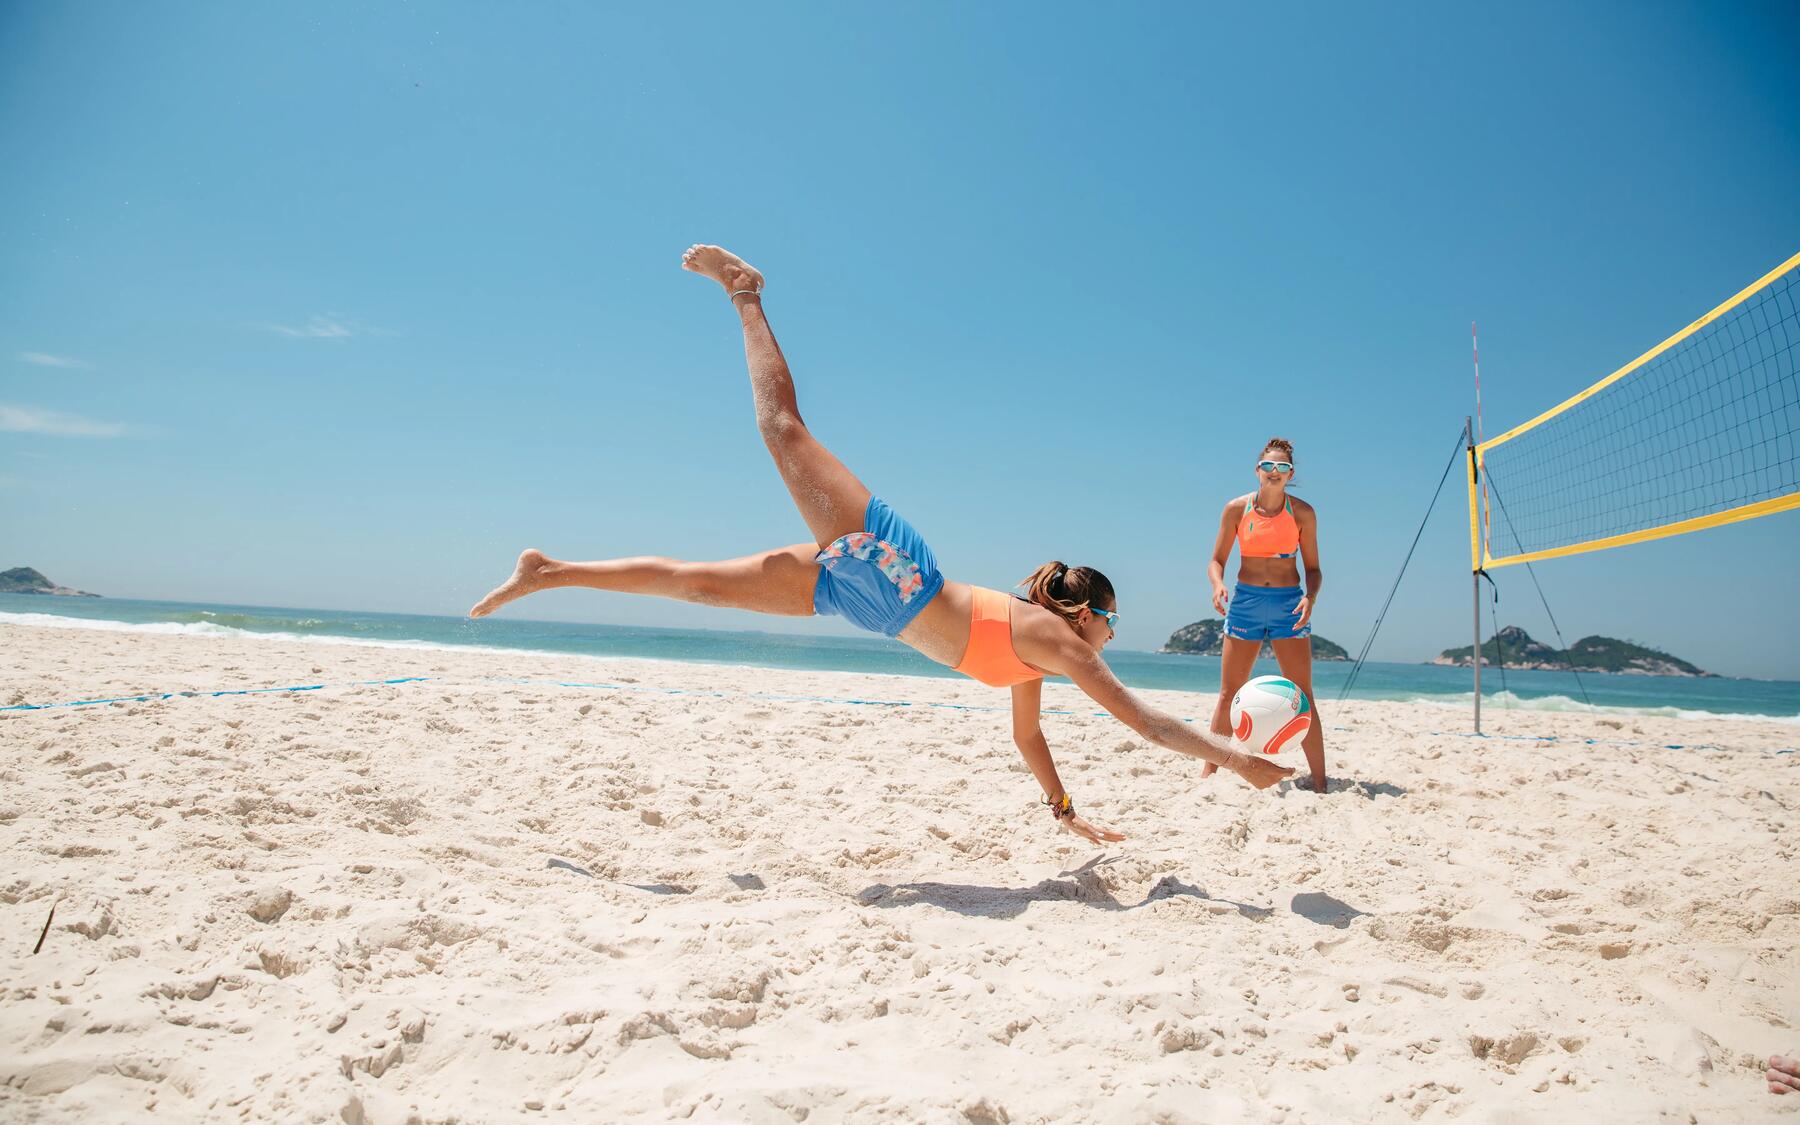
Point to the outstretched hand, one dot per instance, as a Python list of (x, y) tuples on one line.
[(1090, 831), (1261, 772), (1783, 1075)]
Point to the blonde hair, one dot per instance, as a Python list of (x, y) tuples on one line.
[(1067, 591)]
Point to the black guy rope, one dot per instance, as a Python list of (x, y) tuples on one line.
[(1362, 657), (1567, 656)]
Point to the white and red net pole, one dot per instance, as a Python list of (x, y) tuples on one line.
[(1486, 514)]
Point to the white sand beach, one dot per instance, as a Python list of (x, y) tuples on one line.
[(478, 899)]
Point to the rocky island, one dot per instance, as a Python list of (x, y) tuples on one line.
[(24, 580), (1207, 638), (1514, 647)]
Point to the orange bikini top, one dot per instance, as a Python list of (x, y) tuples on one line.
[(990, 657), (1268, 537)]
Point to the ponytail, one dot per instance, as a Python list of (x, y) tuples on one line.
[(1067, 591)]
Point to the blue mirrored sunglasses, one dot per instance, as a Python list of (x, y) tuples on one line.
[(1112, 619), (1276, 466)]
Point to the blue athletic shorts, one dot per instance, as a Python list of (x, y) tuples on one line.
[(1264, 613), (879, 578)]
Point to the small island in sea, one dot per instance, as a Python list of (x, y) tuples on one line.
[(1207, 638), (1513, 647), (24, 580)]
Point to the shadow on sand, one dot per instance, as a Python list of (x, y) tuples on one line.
[(1080, 885), (1299, 783), (653, 888), (1317, 906), (1084, 884)]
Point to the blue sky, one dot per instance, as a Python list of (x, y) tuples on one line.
[(341, 306)]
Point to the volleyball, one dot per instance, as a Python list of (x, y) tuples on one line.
[(1269, 714)]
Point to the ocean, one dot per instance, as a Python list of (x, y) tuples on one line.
[(1671, 696)]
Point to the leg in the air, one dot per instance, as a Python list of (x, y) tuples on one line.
[(775, 582), (830, 498)]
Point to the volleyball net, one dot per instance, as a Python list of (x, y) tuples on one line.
[(1699, 431)]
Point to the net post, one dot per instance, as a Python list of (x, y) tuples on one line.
[(1474, 558), (1475, 580)]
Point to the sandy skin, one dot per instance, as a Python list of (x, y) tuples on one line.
[(527, 578)]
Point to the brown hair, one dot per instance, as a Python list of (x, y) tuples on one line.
[(1066, 591), (1286, 449)]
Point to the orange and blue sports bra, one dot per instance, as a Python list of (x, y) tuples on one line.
[(1268, 537), (990, 657)]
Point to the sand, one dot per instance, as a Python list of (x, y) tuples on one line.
[(487, 897)]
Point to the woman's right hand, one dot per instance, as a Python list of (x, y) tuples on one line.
[(1220, 599), (1259, 771)]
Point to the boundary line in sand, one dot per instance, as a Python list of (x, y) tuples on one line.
[(775, 698), (161, 695)]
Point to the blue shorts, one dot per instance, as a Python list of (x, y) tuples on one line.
[(1265, 613), (879, 578)]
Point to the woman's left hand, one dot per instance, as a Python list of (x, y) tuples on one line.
[(1304, 612), (1089, 831)]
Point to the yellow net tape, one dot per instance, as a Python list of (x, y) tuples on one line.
[(1699, 431)]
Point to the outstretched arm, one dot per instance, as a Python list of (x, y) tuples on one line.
[(1090, 673), (1028, 736)]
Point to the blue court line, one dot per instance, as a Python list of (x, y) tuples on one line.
[(161, 695), (1585, 741), (766, 696)]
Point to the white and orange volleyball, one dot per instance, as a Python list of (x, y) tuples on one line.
[(1270, 714)]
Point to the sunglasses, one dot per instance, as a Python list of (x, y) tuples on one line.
[(1112, 619), (1276, 466)]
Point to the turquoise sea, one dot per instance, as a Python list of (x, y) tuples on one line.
[(1539, 691)]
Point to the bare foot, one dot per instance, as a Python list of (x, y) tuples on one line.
[(1783, 1075), (527, 577), (1262, 772), (722, 266)]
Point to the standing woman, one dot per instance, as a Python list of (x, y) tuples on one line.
[(1269, 604)]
